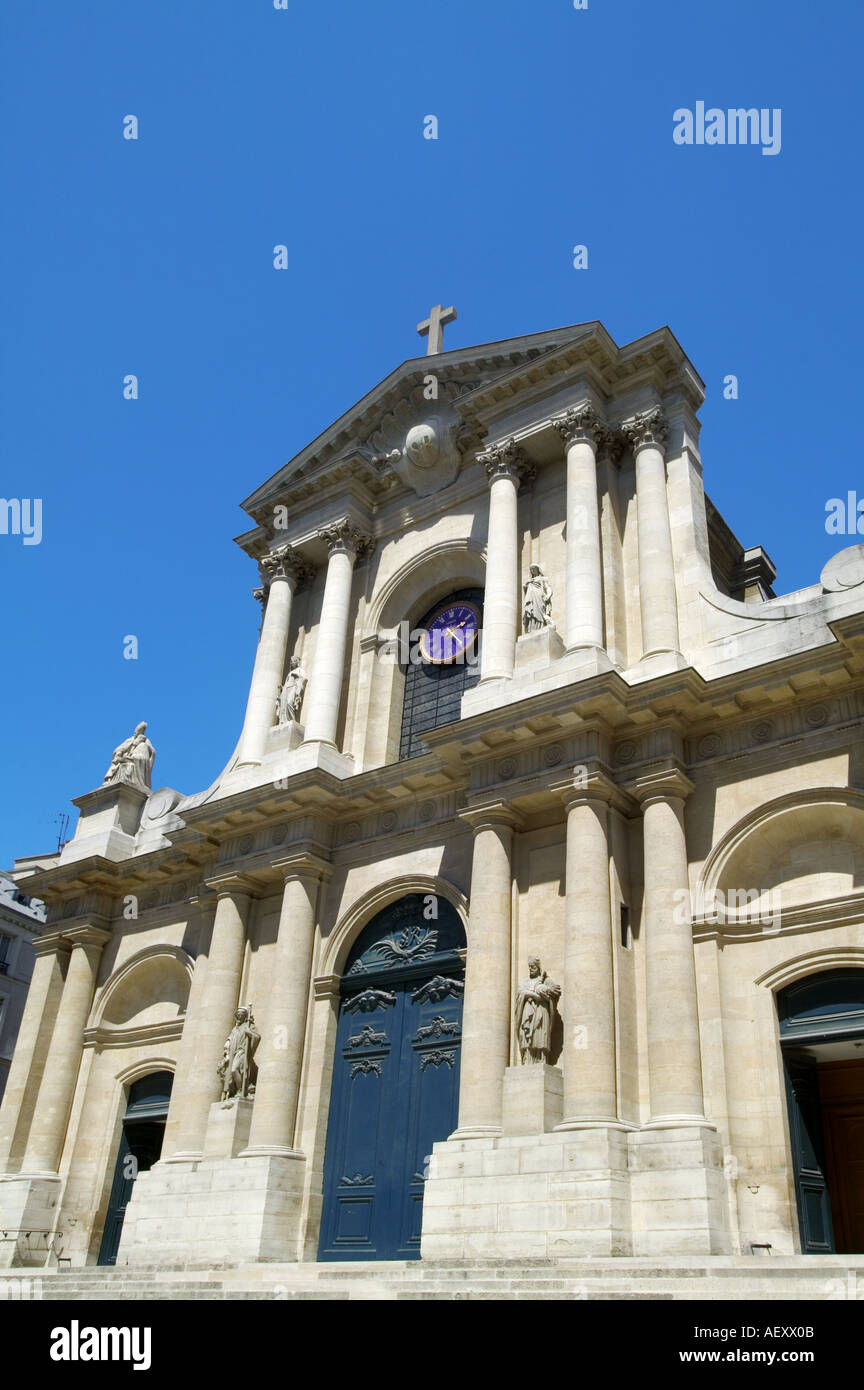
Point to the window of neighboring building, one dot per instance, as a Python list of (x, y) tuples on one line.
[(5, 951), (446, 665)]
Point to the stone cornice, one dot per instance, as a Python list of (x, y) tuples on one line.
[(103, 1035), (88, 936)]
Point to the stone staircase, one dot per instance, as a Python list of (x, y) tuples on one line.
[(813, 1278)]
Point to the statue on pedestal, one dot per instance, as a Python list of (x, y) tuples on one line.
[(536, 1011), (291, 695), (237, 1067), (536, 601), (132, 762)]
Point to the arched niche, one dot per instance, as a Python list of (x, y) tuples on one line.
[(804, 848), (148, 990)]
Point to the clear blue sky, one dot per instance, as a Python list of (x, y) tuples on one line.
[(304, 127)]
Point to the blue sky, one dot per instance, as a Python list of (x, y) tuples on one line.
[(304, 126)]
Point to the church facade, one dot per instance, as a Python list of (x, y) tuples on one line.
[(526, 918)]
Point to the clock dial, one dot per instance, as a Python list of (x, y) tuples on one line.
[(450, 633)]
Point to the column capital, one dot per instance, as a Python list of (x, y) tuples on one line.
[(284, 563), (647, 430), (597, 786), (506, 459), (661, 784), (88, 936), (343, 537), (303, 864), (51, 941), (579, 425), (492, 815), (230, 885)]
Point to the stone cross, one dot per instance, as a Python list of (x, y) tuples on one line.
[(434, 327)]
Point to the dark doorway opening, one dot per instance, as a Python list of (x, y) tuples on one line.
[(822, 1039), (140, 1147)]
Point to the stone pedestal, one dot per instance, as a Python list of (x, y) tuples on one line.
[(228, 1125), (28, 1213), (678, 1192), (284, 736), (538, 649), (107, 824), (218, 1211), (532, 1098), (589, 1192)]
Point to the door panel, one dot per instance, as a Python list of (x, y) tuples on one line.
[(808, 1155), (394, 1094)]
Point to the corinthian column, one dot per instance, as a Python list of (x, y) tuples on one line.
[(284, 568), (674, 1054), (506, 465), (54, 1102), (658, 602), (344, 543), (590, 1089), (486, 1018), (280, 1057), (580, 430)]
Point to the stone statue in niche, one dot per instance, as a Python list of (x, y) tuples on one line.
[(132, 762), (536, 1013), (291, 695), (536, 601), (237, 1068)]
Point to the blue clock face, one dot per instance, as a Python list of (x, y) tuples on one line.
[(451, 633)]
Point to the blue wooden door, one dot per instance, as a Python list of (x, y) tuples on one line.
[(395, 1081)]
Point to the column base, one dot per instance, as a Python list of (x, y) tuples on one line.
[(659, 662), (591, 1122), (476, 1132), (29, 1204), (218, 1211), (271, 1151), (680, 1122)]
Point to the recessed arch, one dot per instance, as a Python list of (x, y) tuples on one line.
[(423, 578), (338, 944), (150, 987), (808, 843)]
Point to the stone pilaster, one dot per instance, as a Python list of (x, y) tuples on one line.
[(658, 602), (280, 1055), (486, 1019), (506, 466), (54, 1101), (674, 1054), (344, 544), (285, 568)]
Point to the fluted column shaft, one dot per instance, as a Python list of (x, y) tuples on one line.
[(31, 1047), (284, 568), (486, 1018), (217, 1004), (505, 465), (674, 1053), (583, 616), (328, 669), (54, 1102), (590, 1088), (280, 1056), (658, 603)]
